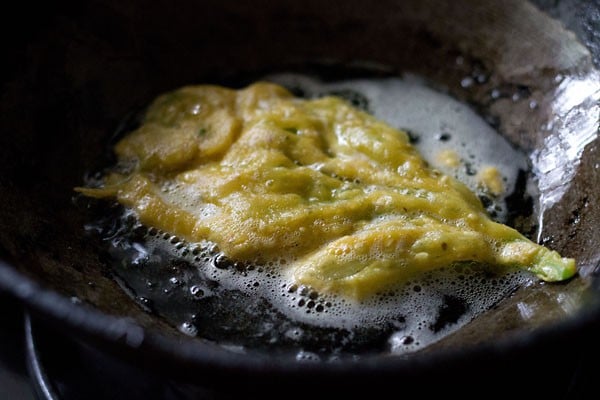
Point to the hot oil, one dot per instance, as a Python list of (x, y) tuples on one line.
[(249, 308)]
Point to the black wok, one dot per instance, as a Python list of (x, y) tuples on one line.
[(76, 73)]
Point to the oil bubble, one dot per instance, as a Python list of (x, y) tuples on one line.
[(188, 328)]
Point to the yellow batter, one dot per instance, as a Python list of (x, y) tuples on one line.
[(340, 200)]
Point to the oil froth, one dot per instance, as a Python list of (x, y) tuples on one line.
[(253, 306), (204, 294)]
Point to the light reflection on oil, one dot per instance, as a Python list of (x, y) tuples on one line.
[(574, 124)]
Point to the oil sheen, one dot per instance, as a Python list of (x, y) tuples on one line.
[(255, 306)]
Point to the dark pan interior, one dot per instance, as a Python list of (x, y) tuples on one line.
[(84, 66)]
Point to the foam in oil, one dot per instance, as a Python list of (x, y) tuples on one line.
[(248, 308)]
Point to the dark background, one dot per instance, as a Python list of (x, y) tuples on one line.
[(580, 16)]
